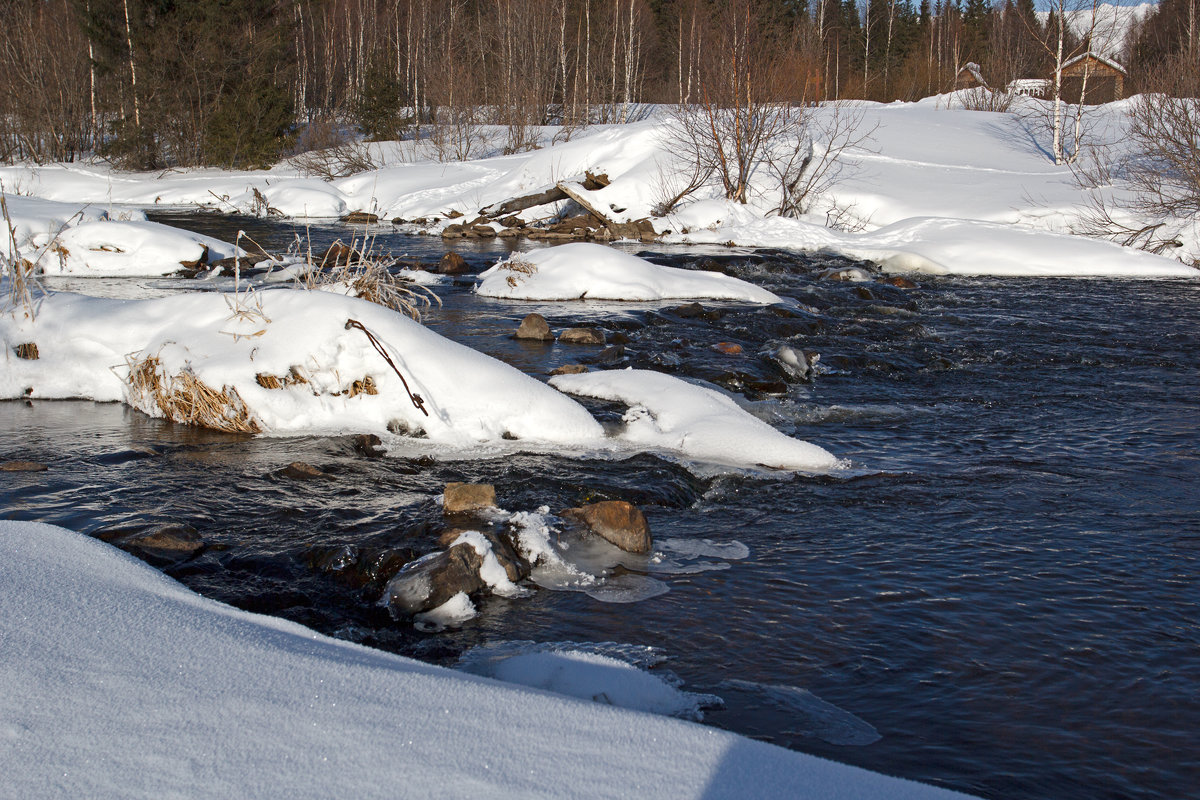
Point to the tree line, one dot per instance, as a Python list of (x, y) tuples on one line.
[(240, 83)]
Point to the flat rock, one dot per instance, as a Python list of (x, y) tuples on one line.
[(22, 466), (463, 498), (569, 369), (535, 327), (582, 336), (301, 471), (618, 522)]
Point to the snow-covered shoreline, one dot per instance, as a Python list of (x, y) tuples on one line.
[(936, 188), (119, 682)]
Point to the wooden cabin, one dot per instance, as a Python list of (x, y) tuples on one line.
[(969, 77), (1105, 79)]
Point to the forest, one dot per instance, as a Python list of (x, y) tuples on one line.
[(151, 84)]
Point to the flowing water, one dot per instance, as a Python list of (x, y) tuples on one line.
[(1000, 596)]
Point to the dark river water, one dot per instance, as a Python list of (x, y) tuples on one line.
[(1005, 586)]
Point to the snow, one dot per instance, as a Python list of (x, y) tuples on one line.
[(85, 241), (589, 673), (583, 270), (84, 342), (119, 682), (671, 414), (922, 161)]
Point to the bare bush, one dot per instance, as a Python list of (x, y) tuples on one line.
[(340, 161), (812, 154), (1147, 195)]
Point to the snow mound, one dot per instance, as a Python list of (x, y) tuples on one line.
[(949, 246), (288, 360), (971, 247), (110, 248), (670, 414), (587, 672), (583, 270), (119, 682)]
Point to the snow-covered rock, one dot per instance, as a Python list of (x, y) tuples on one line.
[(672, 415), (586, 271), (309, 362)]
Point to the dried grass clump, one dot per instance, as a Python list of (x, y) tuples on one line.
[(520, 268), (187, 399), (366, 272), (269, 381)]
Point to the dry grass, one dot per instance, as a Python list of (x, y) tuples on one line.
[(365, 271), (185, 398), (520, 268)]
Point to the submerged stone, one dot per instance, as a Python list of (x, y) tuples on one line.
[(582, 336), (460, 498), (431, 580)]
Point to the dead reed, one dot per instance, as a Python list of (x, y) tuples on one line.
[(185, 398)]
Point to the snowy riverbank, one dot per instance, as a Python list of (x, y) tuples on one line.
[(119, 682), (933, 188)]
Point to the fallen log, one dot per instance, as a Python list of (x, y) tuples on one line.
[(516, 204)]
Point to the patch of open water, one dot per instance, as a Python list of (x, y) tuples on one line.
[(1001, 597)]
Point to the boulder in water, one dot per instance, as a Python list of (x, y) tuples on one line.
[(616, 521)]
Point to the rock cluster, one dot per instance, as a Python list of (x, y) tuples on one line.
[(473, 548)]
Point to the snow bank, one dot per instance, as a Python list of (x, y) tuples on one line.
[(926, 160), (309, 363), (945, 246), (109, 248), (670, 414), (119, 682), (592, 271), (67, 239)]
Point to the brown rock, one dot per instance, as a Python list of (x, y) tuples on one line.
[(618, 522), (728, 348), (515, 566), (431, 580), (22, 466), (512, 222), (452, 264), (582, 336), (453, 232), (483, 231), (466, 497), (453, 214), (689, 310), (535, 327), (27, 351), (172, 538), (900, 281), (369, 445), (360, 218), (300, 471), (569, 369)]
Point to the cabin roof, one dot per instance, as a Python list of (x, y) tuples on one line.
[(1108, 62)]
